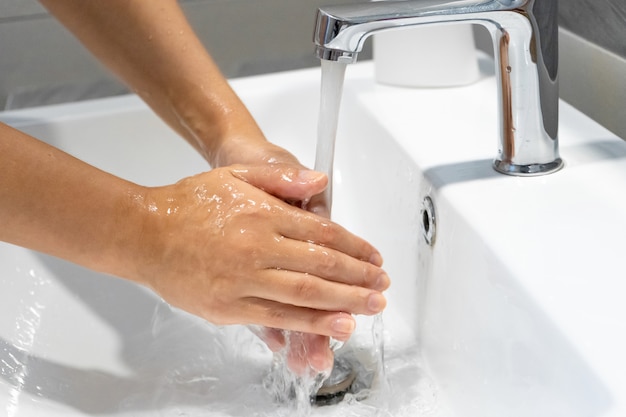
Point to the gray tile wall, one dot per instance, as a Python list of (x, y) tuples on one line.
[(592, 62), (602, 22), (41, 63)]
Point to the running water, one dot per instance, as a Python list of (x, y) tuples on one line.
[(370, 370), (333, 74), (283, 384)]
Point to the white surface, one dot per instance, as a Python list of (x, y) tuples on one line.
[(518, 308)]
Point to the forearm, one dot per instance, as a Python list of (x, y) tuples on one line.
[(54, 203), (150, 45)]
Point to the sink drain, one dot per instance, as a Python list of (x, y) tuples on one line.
[(338, 384), (349, 376), (429, 221)]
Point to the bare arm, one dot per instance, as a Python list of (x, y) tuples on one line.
[(155, 52), (55, 203)]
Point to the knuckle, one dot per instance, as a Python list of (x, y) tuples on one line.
[(329, 233), (328, 263), (276, 317), (305, 288)]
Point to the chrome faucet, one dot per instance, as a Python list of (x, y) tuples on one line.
[(525, 38)]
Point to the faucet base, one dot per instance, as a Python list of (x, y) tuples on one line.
[(527, 170)]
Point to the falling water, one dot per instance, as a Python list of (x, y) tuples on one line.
[(403, 370), (330, 100), (333, 74)]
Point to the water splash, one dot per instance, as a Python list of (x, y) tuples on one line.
[(179, 365), (27, 323), (291, 391)]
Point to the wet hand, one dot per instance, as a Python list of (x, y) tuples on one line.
[(225, 250), (305, 353)]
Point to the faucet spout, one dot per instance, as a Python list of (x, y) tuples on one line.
[(525, 39)]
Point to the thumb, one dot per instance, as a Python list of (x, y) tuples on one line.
[(286, 182)]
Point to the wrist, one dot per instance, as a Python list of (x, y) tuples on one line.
[(220, 127), (135, 250), (114, 242)]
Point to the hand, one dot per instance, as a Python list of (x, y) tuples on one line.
[(307, 353), (223, 249)]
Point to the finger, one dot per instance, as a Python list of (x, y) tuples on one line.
[(276, 315), (283, 181), (308, 227), (273, 338), (326, 263), (290, 183), (308, 352), (305, 351), (310, 291)]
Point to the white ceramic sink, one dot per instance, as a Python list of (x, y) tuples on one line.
[(516, 310)]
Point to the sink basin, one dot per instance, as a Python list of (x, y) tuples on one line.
[(516, 309)]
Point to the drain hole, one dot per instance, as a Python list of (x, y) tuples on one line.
[(349, 376), (425, 222), (429, 224)]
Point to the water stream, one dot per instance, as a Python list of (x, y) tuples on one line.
[(369, 368), (333, 74)]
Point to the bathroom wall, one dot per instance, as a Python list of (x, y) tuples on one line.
[(592, 60), (41, 63), (602, 22)]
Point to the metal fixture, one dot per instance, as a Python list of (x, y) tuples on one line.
[(337, 385), (525, 38)]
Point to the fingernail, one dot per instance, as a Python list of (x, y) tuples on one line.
[(382, 283), (376, 303), (376, 259), (306, 175), (343, 325)]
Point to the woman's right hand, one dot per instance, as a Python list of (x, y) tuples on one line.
[(221, 246)]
